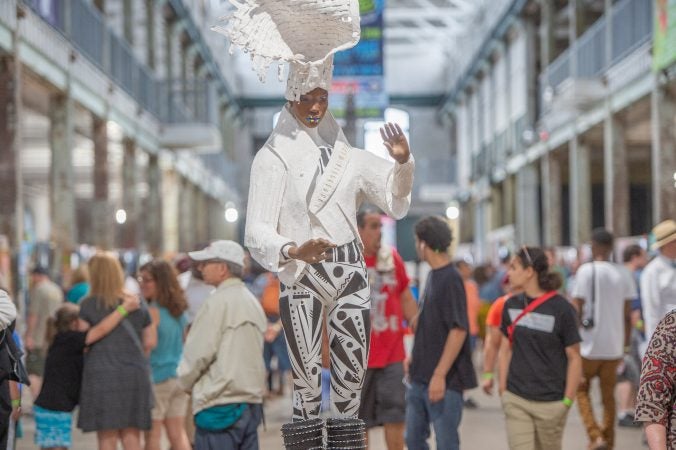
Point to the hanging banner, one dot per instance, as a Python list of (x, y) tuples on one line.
[(359, 70), (664, 43)]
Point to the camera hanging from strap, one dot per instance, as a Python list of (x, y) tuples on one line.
[(588, 323)]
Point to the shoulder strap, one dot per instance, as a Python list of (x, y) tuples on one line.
[(593, 292), (134, 337), (532, 306)]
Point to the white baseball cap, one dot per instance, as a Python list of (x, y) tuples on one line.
[(229, 251)]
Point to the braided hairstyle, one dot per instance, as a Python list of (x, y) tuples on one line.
[(536, 258)]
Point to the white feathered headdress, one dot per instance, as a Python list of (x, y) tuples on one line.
[(304, 33)]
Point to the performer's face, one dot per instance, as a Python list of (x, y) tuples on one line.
[(311, 107)]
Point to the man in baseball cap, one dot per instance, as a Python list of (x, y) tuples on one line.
[(220, 250), (219, 366)]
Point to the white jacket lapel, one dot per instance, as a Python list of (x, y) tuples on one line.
[(301, 157), (298, 152), (332, 174)]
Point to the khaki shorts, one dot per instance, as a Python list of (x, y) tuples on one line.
[(170, 400)]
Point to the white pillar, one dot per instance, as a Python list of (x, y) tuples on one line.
[(616, 177), (580, 193)]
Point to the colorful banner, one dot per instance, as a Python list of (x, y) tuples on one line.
[(664, 43), (360, 69)]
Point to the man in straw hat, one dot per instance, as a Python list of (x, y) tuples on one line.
[(307, 184), (658, 280)]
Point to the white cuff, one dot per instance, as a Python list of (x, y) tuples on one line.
[(285, 250)]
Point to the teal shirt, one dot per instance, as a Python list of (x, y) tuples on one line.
[(165, 357), (77, 292)]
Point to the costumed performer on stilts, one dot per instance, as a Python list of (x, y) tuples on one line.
[(307, 184)]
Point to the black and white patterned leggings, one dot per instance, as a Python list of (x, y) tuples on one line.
[(339, 284)]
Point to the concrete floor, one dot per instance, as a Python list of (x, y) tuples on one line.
[(482, 428)]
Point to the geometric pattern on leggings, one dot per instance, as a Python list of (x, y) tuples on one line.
[(342, 288)]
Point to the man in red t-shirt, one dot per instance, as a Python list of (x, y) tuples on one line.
[(383, 395)]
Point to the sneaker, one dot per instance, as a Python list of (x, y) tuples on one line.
[(627, 421), (598, 444), (470, 403)]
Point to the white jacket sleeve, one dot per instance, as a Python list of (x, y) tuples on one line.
[(650, 301), (387, 185), (7, 310), (266, 191)]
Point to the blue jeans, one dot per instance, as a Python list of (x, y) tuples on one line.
[(242, 435), (277, 348), (444, 415)]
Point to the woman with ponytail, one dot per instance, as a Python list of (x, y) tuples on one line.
[(540, 362)]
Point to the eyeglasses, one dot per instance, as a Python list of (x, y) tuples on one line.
[(525, 251), (145, 280)]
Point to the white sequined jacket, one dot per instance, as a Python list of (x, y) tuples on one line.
[(289, 201)]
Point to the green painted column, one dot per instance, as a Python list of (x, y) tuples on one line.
[(11, 196), (152, 218), (170, 209), (550, 176), (616, 176), (528, 206), (580, 192), (62, 176), (103, 216), (130, 198), (663, 152)]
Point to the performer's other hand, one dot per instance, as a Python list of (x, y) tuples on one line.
[(312, 251), (395, 141)]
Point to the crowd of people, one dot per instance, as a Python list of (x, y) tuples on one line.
[(136, 365)]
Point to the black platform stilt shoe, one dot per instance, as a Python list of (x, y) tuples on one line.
[(345, 434), (304, 435)]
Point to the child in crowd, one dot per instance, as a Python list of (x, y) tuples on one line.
[(68, 337)]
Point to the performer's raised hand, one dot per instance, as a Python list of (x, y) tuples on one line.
[(312, 251), (395, 141)]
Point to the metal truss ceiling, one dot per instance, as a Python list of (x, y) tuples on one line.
[(422, 23), (445, 32)]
